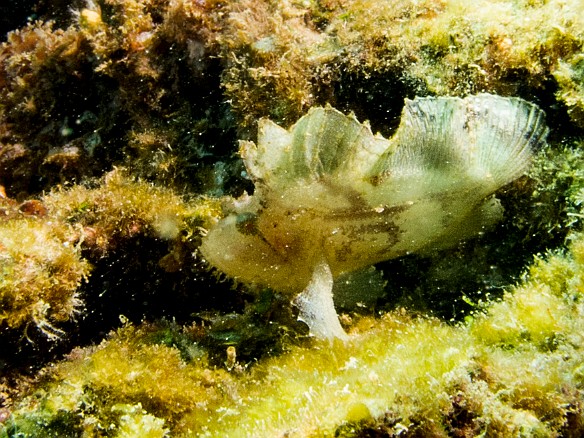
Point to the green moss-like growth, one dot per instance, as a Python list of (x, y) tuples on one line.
[(295, 55), (515, 370), (40, 272), (271, 49), (122, 386), (123, 207), (570, 77), (118, 82), (48, 118), (47, 246), (460, 47)]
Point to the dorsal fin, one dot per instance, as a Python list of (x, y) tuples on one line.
[(443, 142), (443, 146), (323, 144)]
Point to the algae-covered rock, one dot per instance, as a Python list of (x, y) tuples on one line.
[(40, 272), (48, 246), (513, 370), (361, 53), (570, 77), (124, 386), (164, 88), (100, 88)]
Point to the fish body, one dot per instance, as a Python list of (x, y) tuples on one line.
[(331, 197)]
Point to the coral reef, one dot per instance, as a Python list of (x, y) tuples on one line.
[(119, 121)]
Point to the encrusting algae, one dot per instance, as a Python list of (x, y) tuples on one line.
[(46, 256), (514, 370), (119, 122), (40, 273)]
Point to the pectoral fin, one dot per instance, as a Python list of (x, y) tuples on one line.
[(316, 305)]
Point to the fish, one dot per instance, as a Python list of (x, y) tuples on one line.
[(331, 198)]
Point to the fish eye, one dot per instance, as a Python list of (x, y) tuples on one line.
[(246, 223)]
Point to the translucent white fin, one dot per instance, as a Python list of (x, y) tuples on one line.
[(479, 143), (443, 145), (273, 146), (323, 144), (316, 305)]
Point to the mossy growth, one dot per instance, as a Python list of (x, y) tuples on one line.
[(570, 78), (480, 52), (300, 54), (40, 272), (52, 121), (47, 246), (122, 207), (272, 49), (513, 369), (133, 83), (124, 386)]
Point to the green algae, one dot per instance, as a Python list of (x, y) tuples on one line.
[(46, 257), (514, 370), (570, 77), (110, 389), (428, 47), (40, 272)]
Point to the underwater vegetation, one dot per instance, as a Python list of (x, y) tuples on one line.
[(137, 289), (40, 272), (91, 90), (48, 246), (165, 87), (359, 54), (514, 369)]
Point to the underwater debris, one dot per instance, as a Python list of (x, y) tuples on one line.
[(332, 198)]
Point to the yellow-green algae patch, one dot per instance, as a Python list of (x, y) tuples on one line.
[(45, 257), (394, 361), (111, 386), (40, 271), (298, 54), (123, 207), (515, 370)]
